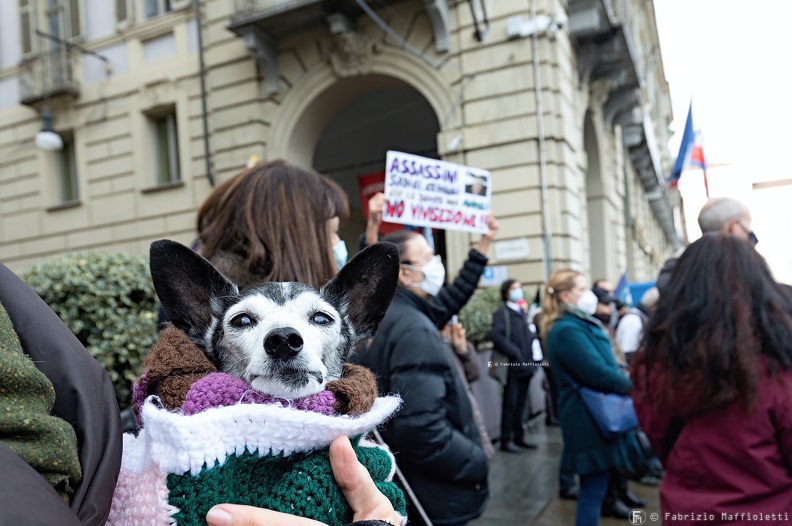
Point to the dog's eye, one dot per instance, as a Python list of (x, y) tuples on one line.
[(241, 321), (320, 318)]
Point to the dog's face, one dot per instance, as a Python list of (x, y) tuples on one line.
[(285, 339)]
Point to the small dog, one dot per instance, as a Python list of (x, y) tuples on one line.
[(284, 339), (254, 426)]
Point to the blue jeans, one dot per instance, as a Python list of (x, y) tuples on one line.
[(593, 487)]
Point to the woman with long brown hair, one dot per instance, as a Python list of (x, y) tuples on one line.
[(278, 222), (714, 385), (274, 222), (580, 353)]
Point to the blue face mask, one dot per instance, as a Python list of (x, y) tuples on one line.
[(516, 295), (340, 254)]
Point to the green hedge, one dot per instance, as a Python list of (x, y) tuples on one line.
[(109, 303), (476, 315)]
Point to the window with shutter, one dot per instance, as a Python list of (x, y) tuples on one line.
[(68, 171), (166, 147), (125, 13), (27, 26), (75, 20), (64, 18)]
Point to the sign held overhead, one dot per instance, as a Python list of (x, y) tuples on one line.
[(428, 192)]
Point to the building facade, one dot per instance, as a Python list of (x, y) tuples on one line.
[(563, 101)]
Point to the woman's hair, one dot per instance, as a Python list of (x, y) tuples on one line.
[(721, 312), (504, 288), (557, 282), (400, 239), (269, 224)]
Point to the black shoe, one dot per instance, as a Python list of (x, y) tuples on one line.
[(615, 508), (510, 447), (569, 493), (525, 445), (649, 480), (631, 500), (530, 427)]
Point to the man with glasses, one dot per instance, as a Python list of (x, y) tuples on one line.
[(719, 214)]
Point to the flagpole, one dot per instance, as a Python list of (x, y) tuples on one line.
[(706, 182)]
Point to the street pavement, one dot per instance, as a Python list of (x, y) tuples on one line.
[(524, 487)]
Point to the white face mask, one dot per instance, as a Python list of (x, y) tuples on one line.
[(434, 276), (587, 302), (340, 254)]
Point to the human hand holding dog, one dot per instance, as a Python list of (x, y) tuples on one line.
[(364, 498)]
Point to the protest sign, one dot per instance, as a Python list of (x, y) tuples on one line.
[(428, 192), (369, 185)]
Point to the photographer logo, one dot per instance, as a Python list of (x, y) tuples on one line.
[(637, 517)]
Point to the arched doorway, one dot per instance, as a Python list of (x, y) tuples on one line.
[(390, 115), (596, 203)]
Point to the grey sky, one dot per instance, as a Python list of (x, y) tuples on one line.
[(732, 57)]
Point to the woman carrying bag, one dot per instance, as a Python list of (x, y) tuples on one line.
[(580, 355)]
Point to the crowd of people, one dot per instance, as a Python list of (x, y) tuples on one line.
[(706, 358)]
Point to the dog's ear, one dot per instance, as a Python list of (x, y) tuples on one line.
[(191, 290), (364, 288)]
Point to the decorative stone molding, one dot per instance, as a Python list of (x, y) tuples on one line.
[(351, 55), (262, 48), (438, 15), (599, 91)]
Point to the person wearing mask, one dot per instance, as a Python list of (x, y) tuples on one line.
[(512, 336), (469, 369), (434, 435), (719, 214), (714, 386), (274, 222), (278, 222), (619, 500), (630, 329), (579, 351)]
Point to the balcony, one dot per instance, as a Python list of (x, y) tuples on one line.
[(48, 75), (261, 23)]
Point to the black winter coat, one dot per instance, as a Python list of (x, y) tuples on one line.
[(433, 436), (519, 346), (84, 397)]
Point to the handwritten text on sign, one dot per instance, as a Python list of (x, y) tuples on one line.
[(428, 192)]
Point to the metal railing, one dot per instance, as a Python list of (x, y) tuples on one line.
[(51, 73)]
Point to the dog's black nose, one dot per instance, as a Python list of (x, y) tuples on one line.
[(283, 343)]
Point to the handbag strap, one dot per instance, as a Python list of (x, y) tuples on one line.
[(507, 321), (569, 379), (406, 485)]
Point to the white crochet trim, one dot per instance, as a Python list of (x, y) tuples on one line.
[(179, 443)]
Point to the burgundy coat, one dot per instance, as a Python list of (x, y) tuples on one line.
[(728, 461)]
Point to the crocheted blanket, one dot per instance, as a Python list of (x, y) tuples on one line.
[(215, 440)]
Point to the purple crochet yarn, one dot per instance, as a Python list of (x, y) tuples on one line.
[(139, 390), (222, 389)]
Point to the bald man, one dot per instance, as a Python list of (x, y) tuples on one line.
[(719, 214), (723, 214)]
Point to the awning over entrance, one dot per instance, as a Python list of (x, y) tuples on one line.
[(260, 23)]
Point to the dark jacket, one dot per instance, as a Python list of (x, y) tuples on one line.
[(725, 461), (434, 436), (519, 346), (454, 296), (579, 349), (84, 397)]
